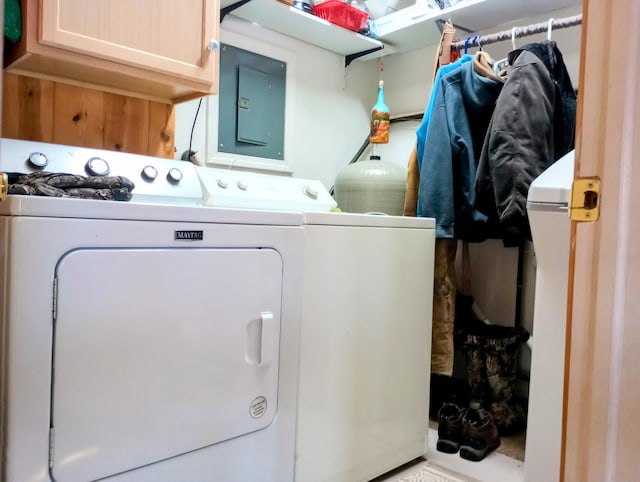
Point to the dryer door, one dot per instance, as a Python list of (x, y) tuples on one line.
[(159, 352)]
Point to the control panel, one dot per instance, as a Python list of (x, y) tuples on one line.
[(156, 180), (167, 181), (249, 190)]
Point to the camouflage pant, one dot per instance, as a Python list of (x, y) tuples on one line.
[(491, 353), (50, 184)]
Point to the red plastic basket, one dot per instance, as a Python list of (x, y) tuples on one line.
[(343, 14)]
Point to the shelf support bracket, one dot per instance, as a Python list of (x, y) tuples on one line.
[(230, 8), (441, 22), (351, 57)]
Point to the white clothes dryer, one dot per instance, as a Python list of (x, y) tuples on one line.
[(150, 340)]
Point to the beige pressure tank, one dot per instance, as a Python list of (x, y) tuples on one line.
[(371, 186)]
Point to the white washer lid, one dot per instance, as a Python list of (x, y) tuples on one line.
[(367, 220), (553, 186)]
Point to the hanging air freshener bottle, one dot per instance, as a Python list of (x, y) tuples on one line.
[(380, 119)]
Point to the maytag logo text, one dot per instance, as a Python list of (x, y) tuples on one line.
[(190, 235)]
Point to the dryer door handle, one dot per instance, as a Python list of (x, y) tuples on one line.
[(267, 346)]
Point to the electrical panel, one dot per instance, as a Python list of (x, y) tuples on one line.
[(251, 104)]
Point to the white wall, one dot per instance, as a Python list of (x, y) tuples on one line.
[(329, 118)]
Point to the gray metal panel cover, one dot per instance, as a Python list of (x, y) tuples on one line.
[(253, 106), (252, 123)]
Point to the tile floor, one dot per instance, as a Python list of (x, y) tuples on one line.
[(441, 467)]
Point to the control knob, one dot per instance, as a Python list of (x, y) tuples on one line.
[(174, 176), (96, 166), (310, 192), (149, 173), (38, 160)]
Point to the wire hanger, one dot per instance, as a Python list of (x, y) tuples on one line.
[(466, 45), (549, 28)]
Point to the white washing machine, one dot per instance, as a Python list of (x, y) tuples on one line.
[(150, 340), (547, 207), (365, 345)]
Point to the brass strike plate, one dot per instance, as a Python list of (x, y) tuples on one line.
[(4, 185), (585, 199)]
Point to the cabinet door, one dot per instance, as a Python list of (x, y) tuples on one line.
[(157, 35)]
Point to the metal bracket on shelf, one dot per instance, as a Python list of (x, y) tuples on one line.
[(230, 8), (440, 23), (351, 57)]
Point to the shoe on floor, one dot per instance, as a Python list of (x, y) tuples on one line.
[(449, 428), (479, 435)]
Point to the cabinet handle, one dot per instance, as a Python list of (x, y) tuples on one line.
[(213, 45)]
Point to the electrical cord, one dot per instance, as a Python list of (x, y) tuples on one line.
[(186, 156)]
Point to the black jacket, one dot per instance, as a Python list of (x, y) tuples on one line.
[(533, 125)]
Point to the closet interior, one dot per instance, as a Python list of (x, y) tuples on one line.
[(500, 113)]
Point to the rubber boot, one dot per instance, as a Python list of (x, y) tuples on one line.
[(473, 347), (501, 357), (470, 334)]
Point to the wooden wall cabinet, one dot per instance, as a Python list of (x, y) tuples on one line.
[(154, 49)]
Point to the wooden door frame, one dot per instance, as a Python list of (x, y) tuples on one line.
[(601, 432)]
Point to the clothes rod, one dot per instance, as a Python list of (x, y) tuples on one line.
[(518, 32)]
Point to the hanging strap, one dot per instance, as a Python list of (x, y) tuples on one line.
[(443, 54)]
